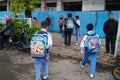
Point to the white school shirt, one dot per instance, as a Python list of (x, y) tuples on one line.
[(50, 42), (78, 22)]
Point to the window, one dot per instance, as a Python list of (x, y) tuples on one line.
[(113, 5), (50, 7), (3, 8), (3, 5), (51, 4), (72, 6)]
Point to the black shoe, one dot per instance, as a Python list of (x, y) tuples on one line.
[(112, 53), (107, 52)]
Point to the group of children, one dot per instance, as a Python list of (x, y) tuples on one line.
[(66, 31), (90, 46)]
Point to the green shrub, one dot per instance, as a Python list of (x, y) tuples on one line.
[(1, 28), (17, 27), (32, 30), (1, 25)]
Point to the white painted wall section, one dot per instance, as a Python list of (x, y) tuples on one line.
[(43, 5), (59, 5), (93, 5)]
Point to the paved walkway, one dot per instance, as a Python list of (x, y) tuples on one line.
[(18, 65), (74, 51)]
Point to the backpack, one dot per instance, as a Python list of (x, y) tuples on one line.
[(38, 44), (70, 24), (92, 43)]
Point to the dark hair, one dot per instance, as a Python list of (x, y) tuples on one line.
[(110, 13), (34, 18), (69, 15), (61, 17), (44, 24), (77, 17), (89, 26), (65, 19)]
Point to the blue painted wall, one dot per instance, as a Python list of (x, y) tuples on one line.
[(97, 18)]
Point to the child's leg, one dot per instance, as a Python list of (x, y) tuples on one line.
[(77, 35), (62, 33), (37, 65), (45, 68), (61, 28), (69, 37), (85, 58), (45, 65), (93, 59), (65, 38)]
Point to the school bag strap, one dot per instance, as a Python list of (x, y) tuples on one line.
[(91, 34)]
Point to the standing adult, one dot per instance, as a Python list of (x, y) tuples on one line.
[(61, 22), (110, 30), (48, 19), (77, 24), (69, 29)]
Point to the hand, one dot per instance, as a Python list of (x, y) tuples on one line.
[(82, 51)]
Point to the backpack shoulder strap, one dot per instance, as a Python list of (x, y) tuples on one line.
[(42, 32), (91, 34)]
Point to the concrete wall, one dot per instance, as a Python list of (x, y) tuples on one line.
[(93, 5), (87, 5)]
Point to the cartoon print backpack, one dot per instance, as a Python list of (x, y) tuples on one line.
[(38, 44), (92, 43), (70, 24)]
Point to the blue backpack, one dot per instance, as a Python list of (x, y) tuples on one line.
[(69, 24), (38, 44), (92, 43)]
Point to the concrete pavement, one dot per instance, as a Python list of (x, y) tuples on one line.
[(18, 65), (105, 60)]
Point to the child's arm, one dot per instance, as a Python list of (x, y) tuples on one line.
[(82, 44), (82, 51), (50, 42)]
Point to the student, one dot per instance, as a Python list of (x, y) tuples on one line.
[(77, 29), (36, 21), (48, 19), (61, 23), (90, 46), (43, 62), (69, 29), (64, 28)]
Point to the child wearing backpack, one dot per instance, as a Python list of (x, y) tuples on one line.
[(68, 29), (90, 46), (40, 44)]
